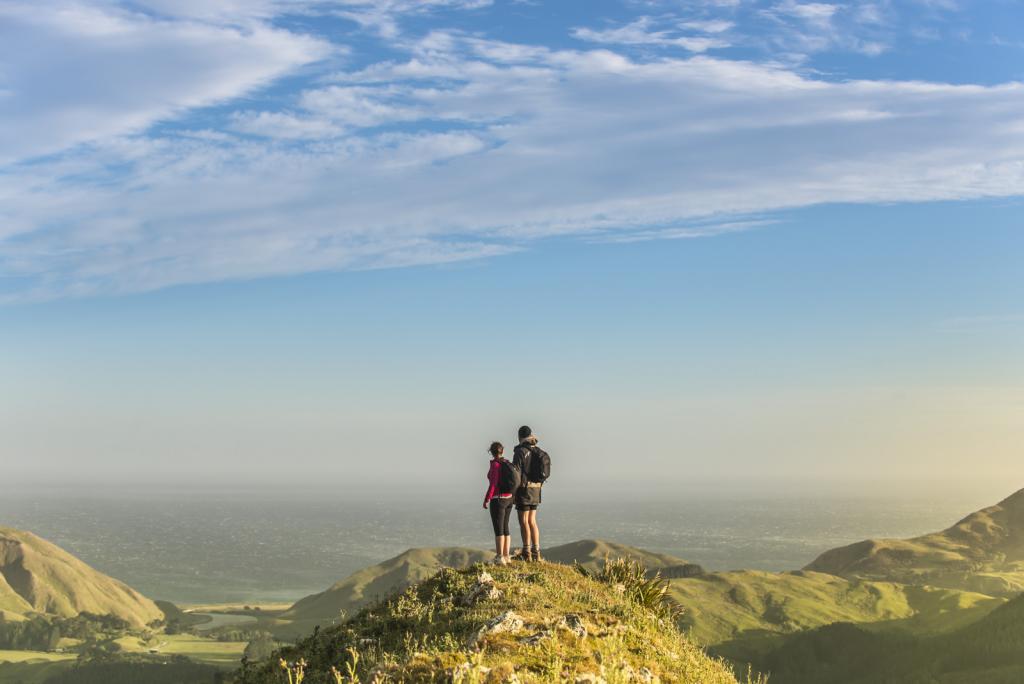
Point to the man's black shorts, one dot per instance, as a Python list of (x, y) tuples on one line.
[(526, 507)]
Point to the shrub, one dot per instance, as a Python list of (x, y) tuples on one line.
[(647, 592)]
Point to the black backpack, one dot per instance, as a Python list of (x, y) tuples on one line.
[(510, 477), (539, 465)]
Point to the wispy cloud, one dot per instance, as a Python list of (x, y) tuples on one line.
[(698, 230), (643, 31)]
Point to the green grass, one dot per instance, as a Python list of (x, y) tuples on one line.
[(199, 649), (34, 656), (987, 651), (31, 672), (425, 634), (32, 667)]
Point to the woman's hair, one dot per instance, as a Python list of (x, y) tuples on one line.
[(496, 449)]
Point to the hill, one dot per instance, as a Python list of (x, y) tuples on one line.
[(39, 577), (725, 607), (378, 581), (415, 565), (988, 651), (523, 622), (984, 552)]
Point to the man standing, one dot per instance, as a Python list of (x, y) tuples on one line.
[(535, 465)]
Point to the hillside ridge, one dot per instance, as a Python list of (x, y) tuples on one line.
[(984, 552), (37, 576)]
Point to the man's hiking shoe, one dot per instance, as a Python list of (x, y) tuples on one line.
[(522, 555), (535, 556)]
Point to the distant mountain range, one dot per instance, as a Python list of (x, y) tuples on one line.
[(39, 577)]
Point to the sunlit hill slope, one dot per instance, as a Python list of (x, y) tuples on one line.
[(39, 577)]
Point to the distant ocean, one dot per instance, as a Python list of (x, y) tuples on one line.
[(209, 547)]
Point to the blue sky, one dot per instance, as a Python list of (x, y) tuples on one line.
[(751, 239)]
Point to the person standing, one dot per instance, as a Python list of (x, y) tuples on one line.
[(502, 482), (535, 466)]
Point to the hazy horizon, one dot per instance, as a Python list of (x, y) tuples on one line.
[(201, 546)]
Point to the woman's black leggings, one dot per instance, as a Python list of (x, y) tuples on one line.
[(501, 509)]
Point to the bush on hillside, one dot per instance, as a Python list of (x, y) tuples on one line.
[(650, 592)]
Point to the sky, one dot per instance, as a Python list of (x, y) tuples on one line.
[(347, 243)]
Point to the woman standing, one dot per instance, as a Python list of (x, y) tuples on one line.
[(500, 487)]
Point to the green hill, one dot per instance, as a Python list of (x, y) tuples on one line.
[(524, 622), (729, 606), (988, 651), (415, 565), (39, 577), (378, 581), (984, 552)]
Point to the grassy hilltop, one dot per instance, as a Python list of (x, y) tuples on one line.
[(520, 623)]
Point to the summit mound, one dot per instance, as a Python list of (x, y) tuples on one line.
[(984, 552), (526, 622), (39, 577), (415, 565)]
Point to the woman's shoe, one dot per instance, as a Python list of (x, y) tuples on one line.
[(497, 560)]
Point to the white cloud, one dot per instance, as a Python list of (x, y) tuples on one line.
[(107, 71), (683, 232), (382, 16), (642, 32), (284, 125), (472, 155), (817, 14), (708, 25), (804, 28)]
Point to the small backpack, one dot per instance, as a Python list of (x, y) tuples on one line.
[(510, 477), (539, 465)]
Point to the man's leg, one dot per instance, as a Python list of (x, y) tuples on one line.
[(525, 529), (534, 535)]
